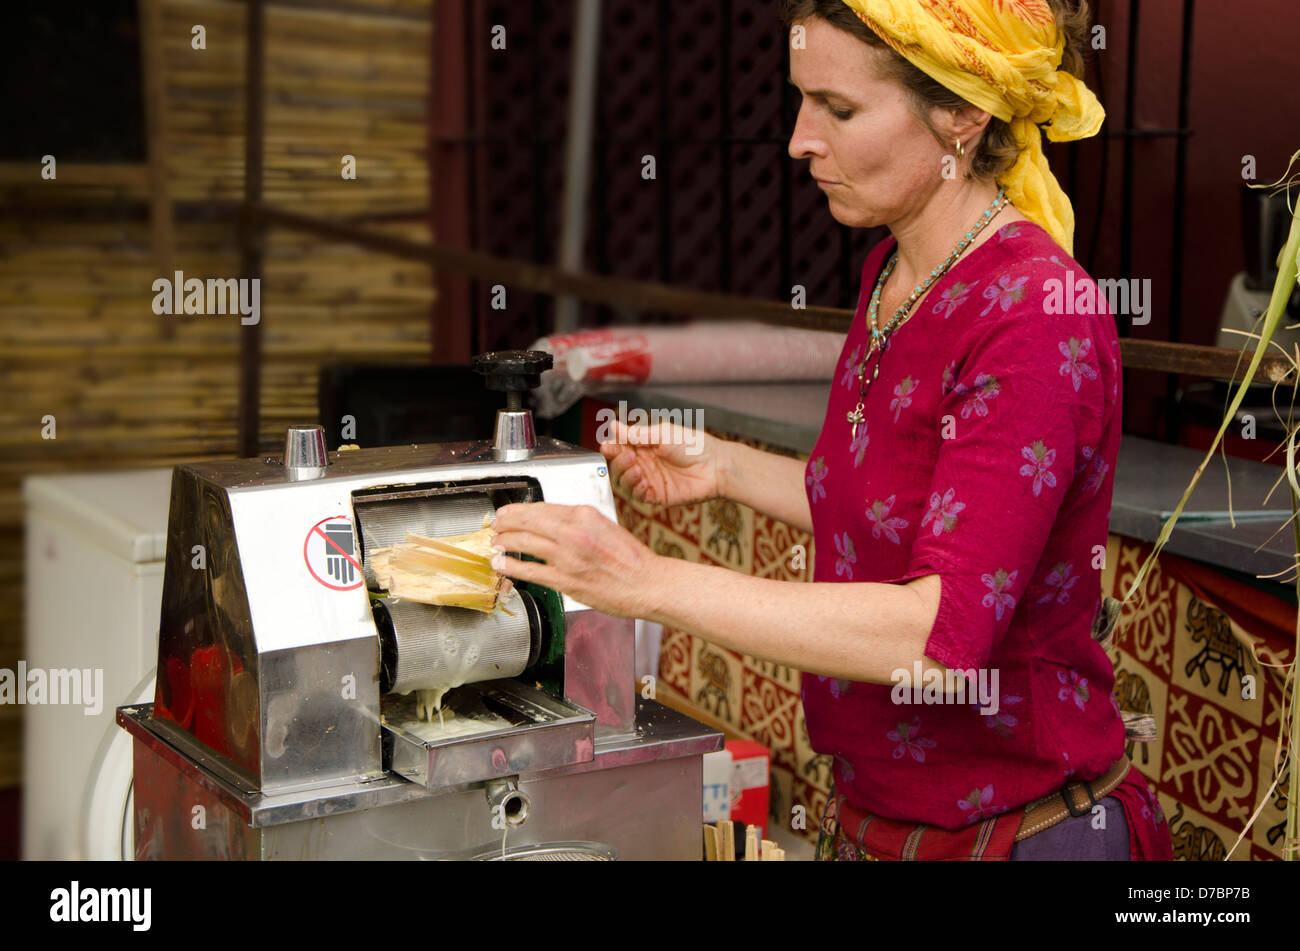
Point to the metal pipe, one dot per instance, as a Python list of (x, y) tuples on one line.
[(514, 803), (577, 158)]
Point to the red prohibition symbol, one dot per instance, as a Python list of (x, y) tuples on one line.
[(333, 559)]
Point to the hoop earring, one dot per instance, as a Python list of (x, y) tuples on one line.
[(961, 150)]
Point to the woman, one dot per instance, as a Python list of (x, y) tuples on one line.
[(959, 493)]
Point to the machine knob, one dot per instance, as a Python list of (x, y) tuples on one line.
[(513, 372), (304, 453)]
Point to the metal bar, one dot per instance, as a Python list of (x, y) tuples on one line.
[(1172, 407), (787, 173), (663, 170), (603, 262), (577, 162), (1130, 124), (450, 187), (724, 148), (1103, 175), (475, 53), (540, 163), (252, 232)]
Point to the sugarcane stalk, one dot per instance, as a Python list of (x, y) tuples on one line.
[(444, 548), (414, 559), (1282, 291)]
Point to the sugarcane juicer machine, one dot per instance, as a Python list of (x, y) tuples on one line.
[(284, 722)]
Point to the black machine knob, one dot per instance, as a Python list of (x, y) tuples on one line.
[(513, 372)]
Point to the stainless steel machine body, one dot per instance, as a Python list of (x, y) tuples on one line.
[(271, 711)]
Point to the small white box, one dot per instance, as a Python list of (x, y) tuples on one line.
[(717, 786)]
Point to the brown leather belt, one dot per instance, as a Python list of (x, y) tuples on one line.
[(1073, 800)]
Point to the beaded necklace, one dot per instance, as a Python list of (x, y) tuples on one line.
[(880, 336)]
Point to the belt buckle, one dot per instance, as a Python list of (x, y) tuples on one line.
[(1069, 800)]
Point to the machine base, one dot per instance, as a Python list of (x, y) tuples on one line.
[(639, 798)]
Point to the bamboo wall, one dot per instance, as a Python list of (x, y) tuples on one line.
[(129, 389)]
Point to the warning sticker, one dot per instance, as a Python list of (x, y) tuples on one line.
[(330, 552)]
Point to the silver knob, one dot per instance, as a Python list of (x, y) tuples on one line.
[(514, 439), (304, 453)]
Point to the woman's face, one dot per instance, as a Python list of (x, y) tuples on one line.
[(876, 161)]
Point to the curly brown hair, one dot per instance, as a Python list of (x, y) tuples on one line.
[(996, 150)]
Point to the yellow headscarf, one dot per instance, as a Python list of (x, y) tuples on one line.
[(1002, 56)]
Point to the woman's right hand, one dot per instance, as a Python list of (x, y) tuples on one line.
[(665, 464)]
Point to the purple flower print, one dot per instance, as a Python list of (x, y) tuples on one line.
[(1151, 810), (838, 687), (816, 474), (1097, 476), (952, 298), (1039, 464), (881, 523), (907, 740), (986, 387), (846, 768), (943, 512), (1003, 723), (979, 803), (1068, 771), (1006, 291), (1073, 688), (1086, 452), (859, 444), (851, 367), (848, 558), (1009, 231), (999, 597), (949, 377), (902, 396), (1076, 366), (1062, 578)]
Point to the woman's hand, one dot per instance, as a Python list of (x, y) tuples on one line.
[(660, 465), (588, 557)]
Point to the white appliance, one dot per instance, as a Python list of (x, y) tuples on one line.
[(94, 573)]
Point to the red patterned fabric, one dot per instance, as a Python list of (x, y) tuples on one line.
[(849, 833), (986, 457)]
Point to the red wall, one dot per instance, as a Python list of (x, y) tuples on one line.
[(1245, 100)]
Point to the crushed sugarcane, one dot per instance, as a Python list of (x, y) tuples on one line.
[(453, 571)]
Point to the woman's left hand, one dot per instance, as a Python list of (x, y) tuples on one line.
[(588, 557)]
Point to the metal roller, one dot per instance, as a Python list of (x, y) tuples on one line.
[(386, 524), (426, 647)]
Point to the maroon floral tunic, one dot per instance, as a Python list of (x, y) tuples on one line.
[(987, 457)]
